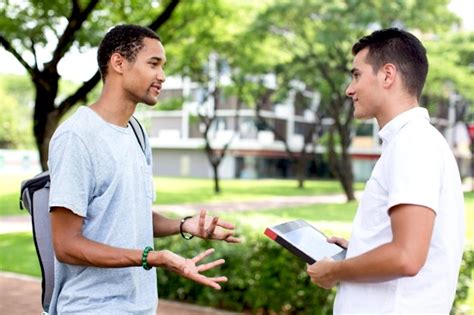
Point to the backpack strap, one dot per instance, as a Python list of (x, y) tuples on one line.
[(139, 133)]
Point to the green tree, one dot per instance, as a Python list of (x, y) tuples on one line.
[(203, 51), (318, 36), (27, 26), (451, 58)]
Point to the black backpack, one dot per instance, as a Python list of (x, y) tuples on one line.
[(34, 197)]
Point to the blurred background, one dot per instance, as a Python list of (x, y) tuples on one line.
[(253, 110)]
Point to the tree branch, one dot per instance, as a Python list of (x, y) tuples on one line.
[(8, 47), (164, 16), (80, 94), (76, 20), (33, 50)]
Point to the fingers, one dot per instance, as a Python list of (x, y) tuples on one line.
[(338, 240), (212, 227), (205, 267), (232, 239), (202, 255), (226, 225), (229, 238), (211, 282), (202, 221), (203, 231), (218, 279)]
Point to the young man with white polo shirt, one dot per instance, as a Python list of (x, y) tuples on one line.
[(408, 233)]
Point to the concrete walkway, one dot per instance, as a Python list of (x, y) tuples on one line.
[(21, 294)]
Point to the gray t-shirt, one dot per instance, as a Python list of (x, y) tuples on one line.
[(100, 173)]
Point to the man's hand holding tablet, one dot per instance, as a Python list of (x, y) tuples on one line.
[(305, 241)]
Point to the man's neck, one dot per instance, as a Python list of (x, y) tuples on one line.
[(395, 108), (113, 108)]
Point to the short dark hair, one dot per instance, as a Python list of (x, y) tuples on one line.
[(127, 40), (401, 48)]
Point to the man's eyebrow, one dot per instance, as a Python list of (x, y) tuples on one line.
[(157, 59)]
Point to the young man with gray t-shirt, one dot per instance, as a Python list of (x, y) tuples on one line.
[(102, 192)]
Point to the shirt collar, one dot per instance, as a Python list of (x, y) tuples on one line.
[(394, 125)]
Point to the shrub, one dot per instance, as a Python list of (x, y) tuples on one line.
[(263, 278), (465, 278)]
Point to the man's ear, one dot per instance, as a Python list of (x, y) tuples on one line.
[(117, 63), (389, 73)]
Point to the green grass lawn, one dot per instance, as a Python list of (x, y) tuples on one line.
[(10, 194), (192, 190), (18, 254), (171, 190)]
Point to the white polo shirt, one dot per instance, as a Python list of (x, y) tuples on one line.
[(416, 167)]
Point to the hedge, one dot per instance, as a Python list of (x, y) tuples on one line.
[(263, 278)]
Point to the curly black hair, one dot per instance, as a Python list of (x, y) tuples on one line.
[(127, 40), (401, 48)]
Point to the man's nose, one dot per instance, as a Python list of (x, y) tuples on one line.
[(161, 76), (349, 90)]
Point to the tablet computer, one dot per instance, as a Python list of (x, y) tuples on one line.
[(305, 241)]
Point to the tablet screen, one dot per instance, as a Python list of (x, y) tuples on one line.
[(312, 242), (305, 241)]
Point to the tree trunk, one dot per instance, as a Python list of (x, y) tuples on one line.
[(300, 169), (215, 169), (341, 165), (346, 177), (45, 118)]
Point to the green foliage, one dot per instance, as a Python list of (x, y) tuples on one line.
[(262, 277), (465, 282), (174, 103), (451, 57), (315, 36), (19, 87), (37, 21), (15, 124)]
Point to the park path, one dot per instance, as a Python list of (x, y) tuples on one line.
[(20, 294)]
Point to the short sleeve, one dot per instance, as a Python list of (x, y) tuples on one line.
[(72, 178), (414, 172)]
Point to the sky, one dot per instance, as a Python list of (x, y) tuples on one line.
[(79, 67)]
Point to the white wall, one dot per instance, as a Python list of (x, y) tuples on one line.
[(189, 163)]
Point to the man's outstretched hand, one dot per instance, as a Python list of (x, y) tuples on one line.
[(211, 228), (188, 267)]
